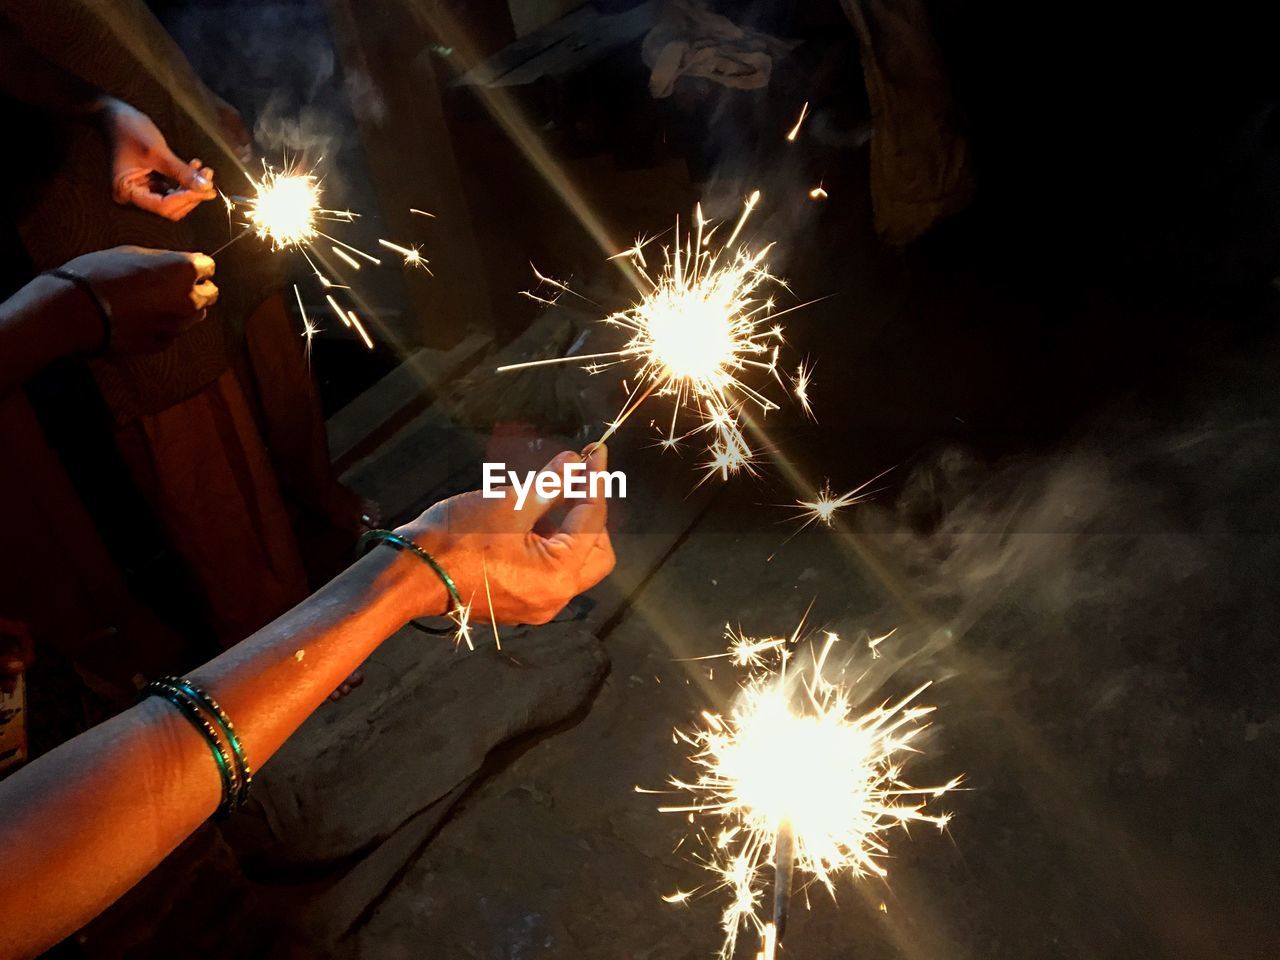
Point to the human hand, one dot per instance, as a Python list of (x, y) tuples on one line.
[(15, 653), (152, 295), (531, 575), (144, 171)]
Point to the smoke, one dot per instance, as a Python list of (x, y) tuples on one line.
[(1103, 621)]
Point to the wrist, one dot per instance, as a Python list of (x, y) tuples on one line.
[(100, 110), (418, 590), (75, 311)]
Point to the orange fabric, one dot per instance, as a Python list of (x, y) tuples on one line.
[(203, 467)]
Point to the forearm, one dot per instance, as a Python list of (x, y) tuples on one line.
[(84, 823), (47, 319)]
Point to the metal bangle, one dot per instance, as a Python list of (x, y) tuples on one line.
[(104, 308), (393, 539)]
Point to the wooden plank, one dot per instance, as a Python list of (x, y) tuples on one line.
[(409, 149)]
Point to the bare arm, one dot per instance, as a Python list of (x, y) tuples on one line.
[(84, 823), (150, 296)]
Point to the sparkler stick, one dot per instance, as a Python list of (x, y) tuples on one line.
[(242, 233), (783, 875)]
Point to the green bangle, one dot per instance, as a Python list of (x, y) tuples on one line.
[(391, 538), (198, 720), (228, 731)]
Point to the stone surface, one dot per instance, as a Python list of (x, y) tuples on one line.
[(422, 723)]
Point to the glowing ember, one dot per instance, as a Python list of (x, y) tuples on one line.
[(703, 335), (793, 774), (795, 131)]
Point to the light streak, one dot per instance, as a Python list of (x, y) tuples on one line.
[(795, 131), (412, 255), (793, 766), (818, 193)]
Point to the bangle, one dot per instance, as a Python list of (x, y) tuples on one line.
[(219, 732), (393, 539), (198, 720), (104, 308), (228, 730)]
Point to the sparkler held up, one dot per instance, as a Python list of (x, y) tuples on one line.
[(705, 334), (286, 211)]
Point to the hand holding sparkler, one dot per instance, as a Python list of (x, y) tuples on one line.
[(144, 297), (144, 171), (506, 570)]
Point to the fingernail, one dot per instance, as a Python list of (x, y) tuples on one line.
[(200, 180)]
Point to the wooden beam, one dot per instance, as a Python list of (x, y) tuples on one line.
[(409, 150)]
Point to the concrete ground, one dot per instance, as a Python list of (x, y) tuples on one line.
[(1100, 623)]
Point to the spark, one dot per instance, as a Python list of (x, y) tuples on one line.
[(818, 193), (800, 384), (705, 336), (825, 505), (285, 211), (412, 255), (793, 770), (359, 328), (461, 617), (346, 258), (493, 620), (309, 329), (795, 131), (422, 213)]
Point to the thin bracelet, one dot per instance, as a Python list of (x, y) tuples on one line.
[(104, 308), (228, 730), (203, 726), (391, 538)]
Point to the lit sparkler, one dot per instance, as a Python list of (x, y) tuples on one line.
[(795, 780), (705, 334), (287, 211)]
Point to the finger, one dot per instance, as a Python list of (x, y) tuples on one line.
[(588, 517), (537, 506), (205, 265), (204, 295), (189, 176), (140, 196)]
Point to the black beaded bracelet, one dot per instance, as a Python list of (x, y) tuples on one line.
[(104, 308)]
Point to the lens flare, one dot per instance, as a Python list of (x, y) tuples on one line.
[(794, 778)]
